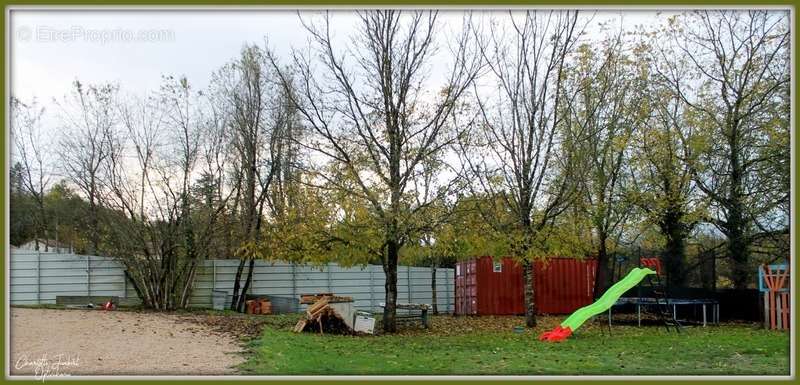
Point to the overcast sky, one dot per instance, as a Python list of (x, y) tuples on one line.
[(50, 49)]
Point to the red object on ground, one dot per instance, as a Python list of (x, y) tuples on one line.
[(252, 307), (109, 306), (556, 335), (488, 287), (265, 306)]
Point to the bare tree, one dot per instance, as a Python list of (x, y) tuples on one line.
[(514, 156), (374, 120), (89, 115), (248, 93), (194, 134), (288, 132), (215, 188), (133, 190), (601, 113), (439, 200), (150, 162), (31, 148)]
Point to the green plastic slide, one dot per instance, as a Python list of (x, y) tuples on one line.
[(608, 299)]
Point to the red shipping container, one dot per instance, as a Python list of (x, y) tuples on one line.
[(563, 285), (484, 287), (488, 287)]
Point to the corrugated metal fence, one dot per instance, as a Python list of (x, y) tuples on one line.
[(38, 277)]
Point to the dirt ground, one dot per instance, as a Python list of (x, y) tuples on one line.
[(76, 342)]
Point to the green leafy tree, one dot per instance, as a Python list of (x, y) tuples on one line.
[(601, 117), (22, 208), (662, 185), (736, 88), (31, 152)]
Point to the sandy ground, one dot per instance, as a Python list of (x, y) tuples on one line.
[(76, 342)]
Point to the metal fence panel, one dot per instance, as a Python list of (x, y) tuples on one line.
[(38, 277)]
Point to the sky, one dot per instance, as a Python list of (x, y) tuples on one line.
[(187, 43), (51, 49)]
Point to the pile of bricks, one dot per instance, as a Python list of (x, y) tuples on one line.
[(258, 306)]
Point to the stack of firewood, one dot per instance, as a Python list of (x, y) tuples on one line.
[(308, 299), (321, 316)]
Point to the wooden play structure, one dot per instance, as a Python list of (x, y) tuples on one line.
[(774, 283)]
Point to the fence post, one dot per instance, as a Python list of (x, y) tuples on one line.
[(328, 266), (213, 276), (447, 287), (88, 276), (38, 278), (371, 288), (408, 283), (294, 288)]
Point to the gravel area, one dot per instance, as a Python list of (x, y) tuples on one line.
[(80, 342)]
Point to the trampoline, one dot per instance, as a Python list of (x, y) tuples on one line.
[(639, 302)]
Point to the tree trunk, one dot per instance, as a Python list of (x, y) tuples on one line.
[(186, 291), (236, 280), (434, 304), (93, 221), (603, 271), (246, 287), (735, 221), (390, 269), (708, 277), (43, 226), (530, 303), (674, 255), (135, 285), (737, 250)]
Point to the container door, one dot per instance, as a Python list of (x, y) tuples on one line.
[(471, 305)]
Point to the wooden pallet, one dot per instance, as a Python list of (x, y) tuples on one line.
[(315, 310), (300, 326), (319, 312)]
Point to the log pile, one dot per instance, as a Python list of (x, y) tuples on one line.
[(321, 317), (308, 299)]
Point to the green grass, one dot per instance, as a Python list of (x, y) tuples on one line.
[(467, 349)]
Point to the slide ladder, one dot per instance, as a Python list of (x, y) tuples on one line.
[(664, 310)]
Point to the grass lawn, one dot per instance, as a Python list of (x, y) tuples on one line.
[(488, 345)]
